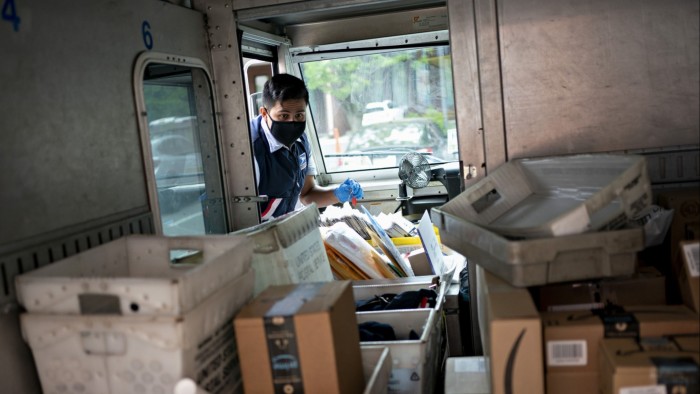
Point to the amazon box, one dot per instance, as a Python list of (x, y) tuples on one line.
[(650, 365), (511, 335), (300, 338), (571, 339), (686, 269)]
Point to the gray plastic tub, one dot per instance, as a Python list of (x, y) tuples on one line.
[(533, 262)]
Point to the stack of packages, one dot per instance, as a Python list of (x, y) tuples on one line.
[(563, 303), (138, 315)]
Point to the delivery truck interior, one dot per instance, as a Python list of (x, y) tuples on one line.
[(131, 117)]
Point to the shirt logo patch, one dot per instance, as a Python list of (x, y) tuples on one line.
[(302, 161)]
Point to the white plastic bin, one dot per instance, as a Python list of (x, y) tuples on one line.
[(370, 288), (553, 196), (376, 362), (113, 354), (415, 363), (134, 275), (288, 250)]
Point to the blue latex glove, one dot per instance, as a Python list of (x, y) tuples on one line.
[(347, 190)]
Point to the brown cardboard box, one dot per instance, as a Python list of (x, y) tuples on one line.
[(650, 365), (571, 338), (511, 334), (686, 215), (686, 269), (301, 336), (570, 296), (572, 383), (646, 287)]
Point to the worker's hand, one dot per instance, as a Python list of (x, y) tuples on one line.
[(348, 190)]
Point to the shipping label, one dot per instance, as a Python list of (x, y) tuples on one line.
[(570, 353)]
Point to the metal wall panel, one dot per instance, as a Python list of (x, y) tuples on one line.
[(466, 88), (368, 27), (598, 75), (229, 89), (69, 146)]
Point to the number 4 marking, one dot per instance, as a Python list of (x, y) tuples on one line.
[(9, 13)]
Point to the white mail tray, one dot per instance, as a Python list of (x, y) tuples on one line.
[(136, 275), (553, 196)]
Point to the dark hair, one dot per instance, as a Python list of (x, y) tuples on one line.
[(282, 87)]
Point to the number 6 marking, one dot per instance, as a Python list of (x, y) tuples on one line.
[(147, 37)]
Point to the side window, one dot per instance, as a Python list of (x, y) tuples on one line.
[(256, 72), (369, 108), (181, 150)]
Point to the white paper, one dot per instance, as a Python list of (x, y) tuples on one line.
[(692, 257), (656, 389), (470, 364), (431, 244)]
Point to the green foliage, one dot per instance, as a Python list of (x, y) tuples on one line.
[(164, 101), (434, 115)]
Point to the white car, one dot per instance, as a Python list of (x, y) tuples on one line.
[(379, 112)]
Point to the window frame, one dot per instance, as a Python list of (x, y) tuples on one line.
[(302, 54), (143, 60)]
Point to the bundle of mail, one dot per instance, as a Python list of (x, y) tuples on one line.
[(353, 258), (395, 225)]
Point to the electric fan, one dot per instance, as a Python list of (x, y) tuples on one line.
[(414, 171)]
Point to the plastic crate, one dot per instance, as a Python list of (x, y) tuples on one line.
[(376, 363), (135, 275), (369, 288), (289, 250), (546, 260), (556, 196), (415, 363), (112, 354)]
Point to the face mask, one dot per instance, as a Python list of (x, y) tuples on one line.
[(287, 132)]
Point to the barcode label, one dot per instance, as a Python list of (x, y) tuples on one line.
[(692, 258), (567, 353), (657, 389)]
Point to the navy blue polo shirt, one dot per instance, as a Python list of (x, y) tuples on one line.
[(280, 171)]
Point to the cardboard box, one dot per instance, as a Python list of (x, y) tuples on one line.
[(650, 365), (572, 383), (686, 269), (301, 337), (288, 250), (466, 375), (646, 287), (571, 296), (686, 215), (511, 335), (571, 338)]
